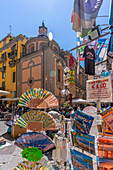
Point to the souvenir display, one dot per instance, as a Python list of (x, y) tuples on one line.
[(107, 115), (82, 122), (105, 164), (105, 147), (84, 142), (39, 93), (35, 139), (33, 118), (81, 161), (61, 153)]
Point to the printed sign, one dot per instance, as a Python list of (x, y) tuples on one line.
[(82, 122), (84, 142), (105, 148), (81, 161), (107, 115), (99, 89)]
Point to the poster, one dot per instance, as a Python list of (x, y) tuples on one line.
[(105, 147), (84, 142), (81, 161), (82, 122), (99, 89), (105, 164), (107, 115)]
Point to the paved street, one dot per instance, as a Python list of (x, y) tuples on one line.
[(9, 156)]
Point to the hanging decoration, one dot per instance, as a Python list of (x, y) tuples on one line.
[(71, 79)]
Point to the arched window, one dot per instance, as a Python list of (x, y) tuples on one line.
[(31, 48)]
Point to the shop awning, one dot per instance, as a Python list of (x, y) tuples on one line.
[(2, 92), (10, 99), (80, 101)]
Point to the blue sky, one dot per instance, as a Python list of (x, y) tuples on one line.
[(26, 16)]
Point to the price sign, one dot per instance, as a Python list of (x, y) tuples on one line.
[(99, 89)]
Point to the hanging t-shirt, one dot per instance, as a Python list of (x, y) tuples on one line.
[(89, 55)]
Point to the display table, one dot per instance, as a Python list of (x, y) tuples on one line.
[(17, 131)]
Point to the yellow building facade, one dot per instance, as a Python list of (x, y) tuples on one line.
[(11, 50)]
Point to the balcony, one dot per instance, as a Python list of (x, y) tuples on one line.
[(3, 69), (12, 63), (3, 58), (12, 55)]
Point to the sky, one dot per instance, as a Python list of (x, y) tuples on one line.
[(25, 17)]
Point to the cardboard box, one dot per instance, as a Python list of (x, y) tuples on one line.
[(17, 131)]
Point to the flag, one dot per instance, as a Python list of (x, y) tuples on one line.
[(84, 14)]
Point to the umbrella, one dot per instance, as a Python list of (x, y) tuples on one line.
[(37, 120), (4, 92), (40, 98), (35, 139), (54, 114)]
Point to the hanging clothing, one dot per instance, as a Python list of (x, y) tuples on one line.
[(89, 55)]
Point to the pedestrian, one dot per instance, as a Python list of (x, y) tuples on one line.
[(68, 114)]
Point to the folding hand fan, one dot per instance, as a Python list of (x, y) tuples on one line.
[(39, 93), (35, 139), (46, 121), (43, 164)]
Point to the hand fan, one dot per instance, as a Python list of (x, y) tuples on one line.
[(35, 139), (39, 93), (45, 119)]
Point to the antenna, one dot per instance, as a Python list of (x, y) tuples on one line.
[(10, 28)]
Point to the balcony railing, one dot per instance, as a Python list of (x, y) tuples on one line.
[(12, 55), (3, 58)]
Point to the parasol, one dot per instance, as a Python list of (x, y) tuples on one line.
[(35, 139), (54, 114), (37, 120), (38, 97)]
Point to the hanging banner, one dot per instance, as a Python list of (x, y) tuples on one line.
[(84, 142), (84, 14), (81, 161), (99, 89)]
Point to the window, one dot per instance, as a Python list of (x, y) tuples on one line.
[(13, 77), (59, 75), (3, 85), (3, 75), (32, 49)]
